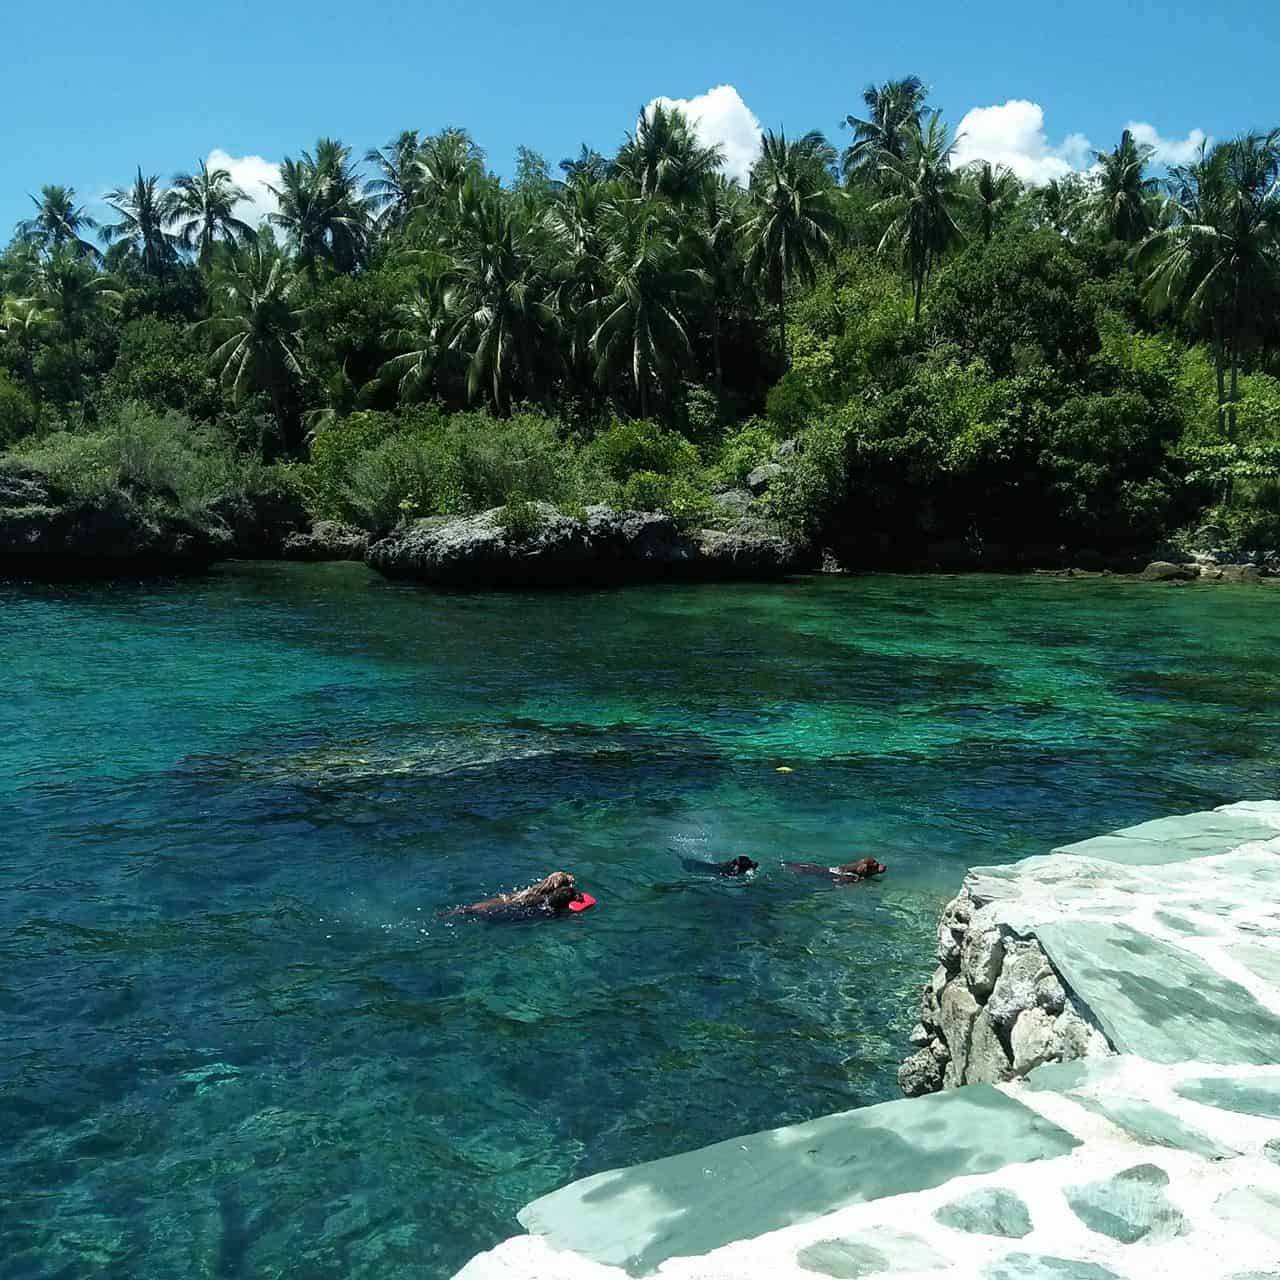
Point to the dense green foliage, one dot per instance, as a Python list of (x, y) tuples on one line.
[(972, 369)]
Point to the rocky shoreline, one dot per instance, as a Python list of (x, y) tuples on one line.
[(48, 533)]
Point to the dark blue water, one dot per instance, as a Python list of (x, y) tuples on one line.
[(237, 1041)]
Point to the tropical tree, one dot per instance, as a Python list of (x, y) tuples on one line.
[(202, 208), (710, 241), (922, 201), (26, 322), (393, 190), (321, 209), (993, 191), (588, 165), (639, 334), (576, 224), (1123, 194), (420, 334), (496, 296), (447, 163), (1218, 261), (894, 111), (256, 330), (145, 212), (664, 157), (59, 223), (69, 287), (792, 225)]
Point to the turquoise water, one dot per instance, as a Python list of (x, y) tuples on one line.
[(237, 1041)]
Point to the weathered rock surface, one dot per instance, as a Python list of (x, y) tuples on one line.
[(326, 540), (46, 532), (610, 546), (1167, 571), (763, 476), (994, 1009)]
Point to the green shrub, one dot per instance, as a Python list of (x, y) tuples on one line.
[(630, 447), (743, 450), (684, 496), (815, 481), (400, 480), (790, 402), (18, 414), (145, 455), (520, 519), (522, 455)]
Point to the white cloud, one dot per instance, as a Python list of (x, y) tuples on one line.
[(720, 117), (1168, 151), (1013, 135), (251, 174)]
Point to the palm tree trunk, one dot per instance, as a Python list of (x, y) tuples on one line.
[(1218, 362), (715, 351), (644, 393), (782, 318), (1235, 359), (919, 283)]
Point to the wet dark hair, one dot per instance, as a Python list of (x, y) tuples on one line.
[(742, 864)]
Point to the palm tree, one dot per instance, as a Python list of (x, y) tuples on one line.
[(202, 205), (638, 327), (59, 223), (993, 192), (69, 288), (664, 157), (26, 321), (447, 162), (711, 243), (145, 212), (894, 111), (256, 329), (321, 211), (500, 315), (420, 333), (793, 225), (576, 224), (588, 165), (393, 191), (1122, 193), (921, 202), (1218, 260)]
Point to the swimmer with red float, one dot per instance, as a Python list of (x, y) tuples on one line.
[(558, 892), (846, 873)]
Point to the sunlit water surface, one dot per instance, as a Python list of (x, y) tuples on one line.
[(237, 1040)]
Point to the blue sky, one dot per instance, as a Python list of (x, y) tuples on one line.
[(94, 92)]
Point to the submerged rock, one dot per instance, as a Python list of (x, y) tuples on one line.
[(1130, 1207), (47, 532), (553, 550), (1167, 571)]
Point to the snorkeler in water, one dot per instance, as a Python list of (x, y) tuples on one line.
[(558, 892), (846, 873), (739, 866)]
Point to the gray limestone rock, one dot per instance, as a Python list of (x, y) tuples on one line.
[(1032, 1039), (1246, 573), (326, 540), (763, 476), (981, 957), (1166, 571), (879, 1250), (734, 503), (1272, 1151), (959, 1009), (920, 1035), (988, 1062), (785, 450), (1073, 1038), (1016, 987), (930, 1010), (990, 1212), (921, 1073), (1031, 1266)]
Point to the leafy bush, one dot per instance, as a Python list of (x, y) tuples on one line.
[(743, 450), (520, 519), (630, 447), (18, 414), (681, 496), (160, 363), (522, 455), (399, 480), (815, 482), (145, 455)]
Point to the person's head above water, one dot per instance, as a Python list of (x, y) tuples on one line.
[(739, 866), (864, 868)]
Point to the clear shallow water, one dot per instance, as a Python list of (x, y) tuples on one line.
[(236, 1041)]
